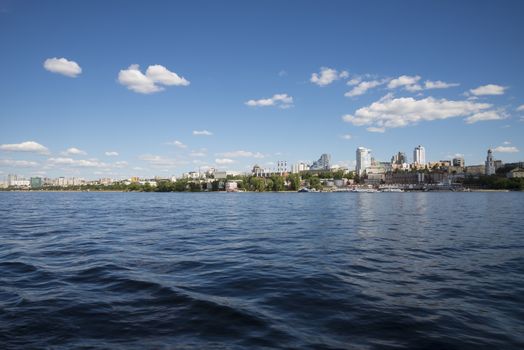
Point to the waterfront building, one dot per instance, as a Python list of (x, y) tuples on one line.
[(323, 163), (363, 160), (281, 167), (419, 155), (36, 182), (458, 162), (475, 169), (399, 158), (515, 173), (490, 164), (299, 167)]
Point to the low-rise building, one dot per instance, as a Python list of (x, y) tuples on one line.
[(515, 173)]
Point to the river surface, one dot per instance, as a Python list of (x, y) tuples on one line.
[(262, 271)]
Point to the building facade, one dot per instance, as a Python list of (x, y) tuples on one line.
[(490, 164), (419, 155), (363, 160)]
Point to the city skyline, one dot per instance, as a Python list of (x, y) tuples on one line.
[(82, 97)]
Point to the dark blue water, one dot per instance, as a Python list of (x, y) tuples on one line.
[(235, 271)]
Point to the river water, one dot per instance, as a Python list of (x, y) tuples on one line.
[(262, 271)]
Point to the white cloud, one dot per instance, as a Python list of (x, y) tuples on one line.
[(354, 81), (362, 88), (161, 75), (150, 82), (160, 160), (73, 151), (428, 84), (406, 81), (490, 89), (280, 100), (111, 153), (391, 112), (520, 108), (483, 116), (376, 129), (282, 73), (83, 163), (347, 137), (506, 149), (327, 76), (507, 143), (242, 154), (18, 163), (202, 133), (177, 144), (27, 146), (121, 164), (62, 66), (224, 161)]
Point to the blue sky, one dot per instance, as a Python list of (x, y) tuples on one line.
[(257, 81)]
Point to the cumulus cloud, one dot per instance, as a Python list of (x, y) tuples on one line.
[(326, 76), (81, 163), (490, 89), (18, 163), (224, 161), (362, 87), (177, 144), (242, 154), (202, 133), (520, 108), (279, 100), (62, 66), (354, 81), (111, 153), (428, 84), (27, 146), (391, 112), (152, 81), (73, 151), (483, 116), (506, 149), (409, 83), (347, 137)]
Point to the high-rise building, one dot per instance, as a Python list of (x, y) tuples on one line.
[(490, 163), (419, 155), (399, 158), (363, 160), (323, 163), (458, 161)]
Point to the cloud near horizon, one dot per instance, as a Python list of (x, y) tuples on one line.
[(202, 133), (177, 144), (73, 151), (222, 161), (62, 66), (506, 149), (151, 82), (27, 146), (18, 163), (111, 153), (391, 112), (241, 154)]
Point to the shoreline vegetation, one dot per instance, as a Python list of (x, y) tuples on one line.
[(290, 183)]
